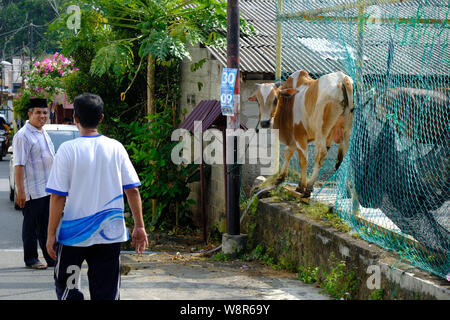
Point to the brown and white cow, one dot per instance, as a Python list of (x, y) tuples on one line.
[(305, 110)]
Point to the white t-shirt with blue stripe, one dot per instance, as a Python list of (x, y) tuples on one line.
[(92, 171)]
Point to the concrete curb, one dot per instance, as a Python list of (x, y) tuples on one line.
[(414, 280)]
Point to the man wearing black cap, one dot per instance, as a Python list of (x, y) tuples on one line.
[(33, 158)]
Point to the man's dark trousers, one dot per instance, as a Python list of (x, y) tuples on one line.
[(34, 230), (103, 262)]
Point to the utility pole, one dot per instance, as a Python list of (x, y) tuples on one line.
[(233, 241), (30, 34), (22, 71)]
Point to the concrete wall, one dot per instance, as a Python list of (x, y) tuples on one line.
[(301, 241), (210, 76)]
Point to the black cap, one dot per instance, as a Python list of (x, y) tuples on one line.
[(38, 103)]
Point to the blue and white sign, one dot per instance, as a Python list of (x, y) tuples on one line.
[(227, 90)]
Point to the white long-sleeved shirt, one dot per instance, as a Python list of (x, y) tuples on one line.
[(34, 150)]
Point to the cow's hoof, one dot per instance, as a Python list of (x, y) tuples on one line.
[(279, 181), (306, 194)]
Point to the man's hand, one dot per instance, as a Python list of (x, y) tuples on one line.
[(56, 209), (139, 239), (21, 198), (19, 176), (51, 245)]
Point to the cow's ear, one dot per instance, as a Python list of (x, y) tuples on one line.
[(288, 92), (252, 98)]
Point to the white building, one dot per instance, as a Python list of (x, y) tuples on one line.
[(10, 83)]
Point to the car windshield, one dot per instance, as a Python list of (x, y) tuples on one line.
[(60, 136)]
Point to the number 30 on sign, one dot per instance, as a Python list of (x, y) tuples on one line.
[(227, 90)]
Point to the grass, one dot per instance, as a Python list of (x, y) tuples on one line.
[(308, 274), (336, 280), (376, 294), (323, 214), (315, 210)]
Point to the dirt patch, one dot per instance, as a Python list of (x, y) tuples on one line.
[(189, 250), (251, 268), (165, 242)]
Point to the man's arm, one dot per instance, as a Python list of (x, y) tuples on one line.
[(139, 237), (19, 177), (57, 203)]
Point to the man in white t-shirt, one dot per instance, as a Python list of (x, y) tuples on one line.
[(87, 181)]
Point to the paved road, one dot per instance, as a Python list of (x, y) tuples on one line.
[(11, 219), (17, 282), (153, 276)]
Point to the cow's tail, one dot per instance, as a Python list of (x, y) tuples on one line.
[(347, 90)]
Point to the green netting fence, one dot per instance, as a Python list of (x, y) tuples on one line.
[(393, 185)]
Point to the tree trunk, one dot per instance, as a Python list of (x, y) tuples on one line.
[(151, 104), (150, 84)]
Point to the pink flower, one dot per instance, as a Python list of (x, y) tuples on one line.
[(448, 277)]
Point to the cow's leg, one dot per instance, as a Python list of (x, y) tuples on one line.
[(329, 140), (303, 161), (343, 146), (287, 158), (321, 152), (340, 154)]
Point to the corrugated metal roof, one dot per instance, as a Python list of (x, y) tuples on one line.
[(209, 113), (418, 49)]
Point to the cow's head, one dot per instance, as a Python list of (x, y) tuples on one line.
[(267, 96)]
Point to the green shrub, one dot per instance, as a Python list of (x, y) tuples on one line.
[(376, 294), (339, 282), (308, 274), (149, 145)]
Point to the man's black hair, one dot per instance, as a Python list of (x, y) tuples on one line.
[(37, 103), (88, 108)]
